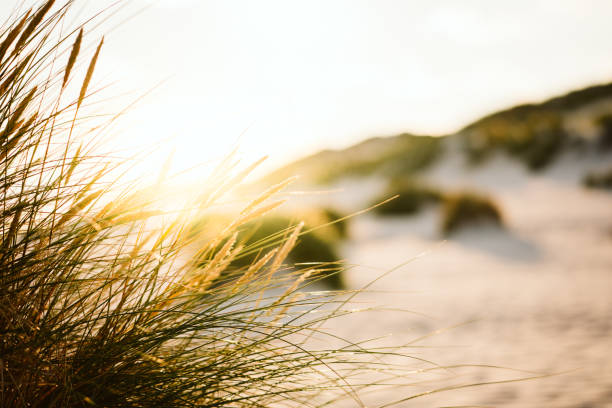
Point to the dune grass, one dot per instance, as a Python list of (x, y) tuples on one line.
[(599, 179), (468, 208), (457, 209)]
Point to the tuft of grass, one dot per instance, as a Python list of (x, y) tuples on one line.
[(468, 208), (412, 197), (458, 209), (598, 179)]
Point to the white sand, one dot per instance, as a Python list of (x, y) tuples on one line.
[(539, 294)]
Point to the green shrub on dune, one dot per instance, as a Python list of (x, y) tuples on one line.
[(543, 149), (317, 244), (599, 179), (311, 247), (468, 208), (331, 224), (336, 221), (458, 209)]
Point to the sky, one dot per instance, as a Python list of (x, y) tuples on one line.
[(286, 78)]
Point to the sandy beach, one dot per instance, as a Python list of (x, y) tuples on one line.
[(534, 296)]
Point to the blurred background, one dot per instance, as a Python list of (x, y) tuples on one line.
[(289, 78), (491, 121)]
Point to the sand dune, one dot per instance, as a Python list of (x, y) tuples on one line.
[(536, 294)]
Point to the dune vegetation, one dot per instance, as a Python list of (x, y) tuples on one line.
[(534, 135), (604, 139), (388, 157), (535, 139), (456, 209), (412, 197), (317, 244), (468, 208), (598, 179), (313, 246)]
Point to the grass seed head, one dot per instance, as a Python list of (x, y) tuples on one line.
[(32, 25), (89, 74), (73, 56), (12, 35)]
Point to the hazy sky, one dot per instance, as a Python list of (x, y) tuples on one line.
[(287, 78)]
